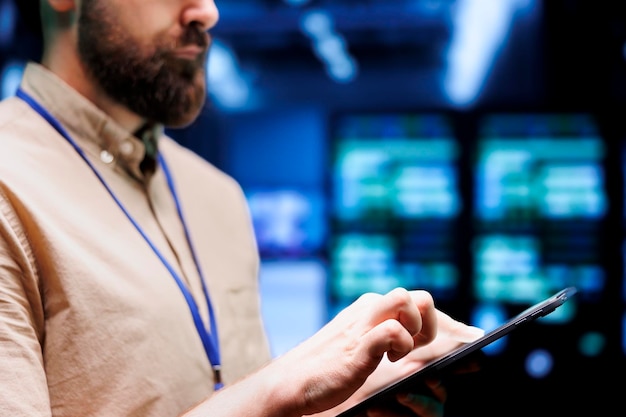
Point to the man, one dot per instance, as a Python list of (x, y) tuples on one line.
[(119, 248)]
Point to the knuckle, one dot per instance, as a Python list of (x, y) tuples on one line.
[(424, 299), (399, 296)]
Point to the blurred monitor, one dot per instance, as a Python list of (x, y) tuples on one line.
[(371, 263), (540, 198), (395, 201), (395, 167), (539, 167), (293, 302), (512, 269), (287, 221)]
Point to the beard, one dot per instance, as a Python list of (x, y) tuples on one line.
[(148, 80)]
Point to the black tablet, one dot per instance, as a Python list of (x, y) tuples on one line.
[(449, 363)]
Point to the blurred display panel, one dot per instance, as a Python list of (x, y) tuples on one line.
[(395, 199), (288, 222), (293, 302), (540, 200), (540, 178), (397, 179), (541, 206)]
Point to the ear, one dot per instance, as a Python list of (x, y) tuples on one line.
[(62, 6)]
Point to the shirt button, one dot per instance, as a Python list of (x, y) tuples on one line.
[(106, 157), (127, 147)]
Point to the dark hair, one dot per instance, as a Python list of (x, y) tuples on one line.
[(29, 15)]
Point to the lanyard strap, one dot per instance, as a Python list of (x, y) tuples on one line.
[(209, 338)]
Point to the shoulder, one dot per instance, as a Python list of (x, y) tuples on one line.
[(14, 114), (192, 170), (22, 134), (18, 121)]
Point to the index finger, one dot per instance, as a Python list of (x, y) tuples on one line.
[(425, 304), (398, 304)]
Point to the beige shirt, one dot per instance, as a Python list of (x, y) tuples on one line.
[(91, 322)]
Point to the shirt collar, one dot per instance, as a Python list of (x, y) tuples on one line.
[(149, 134), (98, 134)]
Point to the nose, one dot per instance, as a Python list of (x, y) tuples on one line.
[(201, 12)]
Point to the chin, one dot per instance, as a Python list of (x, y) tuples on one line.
[(187, 110), (184, 120)]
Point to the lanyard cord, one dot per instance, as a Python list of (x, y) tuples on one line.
[(209, 339)]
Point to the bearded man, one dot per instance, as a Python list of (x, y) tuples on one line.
[(128, 265)]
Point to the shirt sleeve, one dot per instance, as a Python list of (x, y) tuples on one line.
[(23, 387)]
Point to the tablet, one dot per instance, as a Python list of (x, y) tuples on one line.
[(450, 363)]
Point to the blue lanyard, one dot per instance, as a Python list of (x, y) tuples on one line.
[(209, 339)]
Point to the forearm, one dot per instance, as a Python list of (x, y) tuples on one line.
[(265, 393)]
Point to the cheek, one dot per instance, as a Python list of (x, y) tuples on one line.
[(150, 21)]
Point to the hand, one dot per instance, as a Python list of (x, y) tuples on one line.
[(325, 370), (450, 335), (338, 359)]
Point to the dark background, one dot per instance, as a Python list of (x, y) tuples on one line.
[(279, 132)]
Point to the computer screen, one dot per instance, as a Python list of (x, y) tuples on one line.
[(288, 221), (540, 200), (394, 202)]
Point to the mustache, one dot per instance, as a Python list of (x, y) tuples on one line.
[(194, 35)]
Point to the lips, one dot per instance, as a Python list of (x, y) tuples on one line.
[(190, 52)]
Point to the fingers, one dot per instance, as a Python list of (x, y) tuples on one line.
[(426, 405), (352, 346), (402, 320), (438, 389), (457, 330), (429, 317), (399, 305), (422, 405), (426, 402), (389, 337)]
